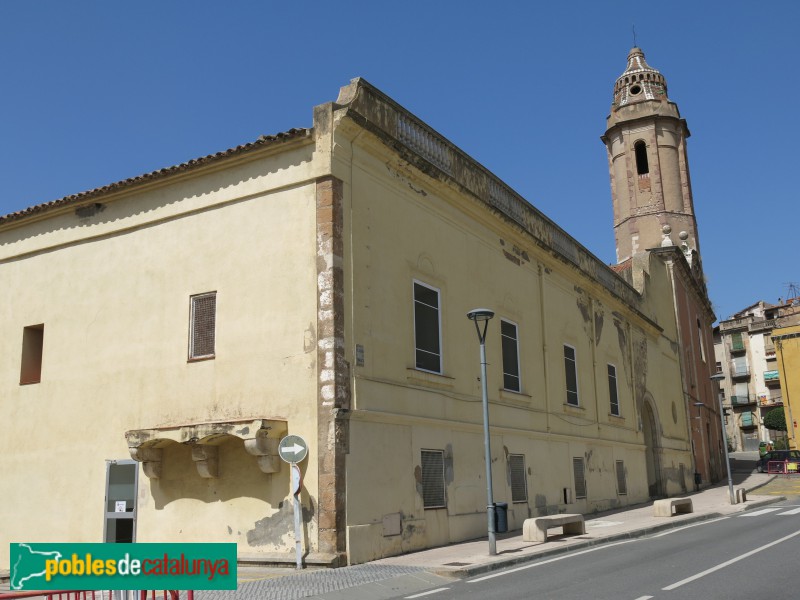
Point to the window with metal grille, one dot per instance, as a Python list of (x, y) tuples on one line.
[(571, 372), (519, 484), (433, 495), (613, 398), (508, 334), (427, 331), (32, 346), (580, 477), (202, 325), (622, 486)]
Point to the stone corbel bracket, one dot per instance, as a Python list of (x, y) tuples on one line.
[(264, 446), (260, 437)]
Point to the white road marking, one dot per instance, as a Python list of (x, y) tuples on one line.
[(755, 513), (794, 511), (677, 529), (544, 562), (729, 562), (644, 598), (428, 593)]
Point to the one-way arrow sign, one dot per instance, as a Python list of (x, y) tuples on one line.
[(293, 449)]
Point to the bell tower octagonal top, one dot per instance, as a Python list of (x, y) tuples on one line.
[(639, 82), (648, 164)]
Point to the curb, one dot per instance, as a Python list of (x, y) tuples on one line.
[(465, 572)]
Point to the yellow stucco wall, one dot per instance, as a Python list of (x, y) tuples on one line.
[(407, 227), (113, 295), (788, 354)]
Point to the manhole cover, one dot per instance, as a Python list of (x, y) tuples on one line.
[(456, 564)]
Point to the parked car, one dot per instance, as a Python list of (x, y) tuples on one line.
[(781, 455)]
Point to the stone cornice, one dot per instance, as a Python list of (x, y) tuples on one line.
[(434, 155)]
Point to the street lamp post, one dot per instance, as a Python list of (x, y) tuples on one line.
[(483, 316), (717, 378)]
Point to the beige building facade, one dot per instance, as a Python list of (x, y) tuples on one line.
[(165, 332)]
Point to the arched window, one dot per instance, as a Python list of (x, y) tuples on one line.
[(640, 148)]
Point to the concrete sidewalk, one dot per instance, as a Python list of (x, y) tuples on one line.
[(471, 558)]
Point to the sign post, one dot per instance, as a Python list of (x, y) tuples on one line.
[(293, 449)]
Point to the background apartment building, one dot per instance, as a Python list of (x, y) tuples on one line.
[(746, 355)]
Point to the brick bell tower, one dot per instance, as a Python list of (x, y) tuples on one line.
[(650, 186)]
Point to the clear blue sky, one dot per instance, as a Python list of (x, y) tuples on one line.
[(95, 92)]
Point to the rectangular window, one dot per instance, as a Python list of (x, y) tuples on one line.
[(433, 495), (700, 340), (32, 345), (578, 472), (519, 484), (427, 329), (511, 379), (571, 372), (202, 326), (719, 367), (622, 486), (613, 398)]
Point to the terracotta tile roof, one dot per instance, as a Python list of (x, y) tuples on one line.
[(264, 140), (623, 266)]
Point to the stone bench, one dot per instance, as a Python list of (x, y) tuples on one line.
[(672, 506), (535, 530)]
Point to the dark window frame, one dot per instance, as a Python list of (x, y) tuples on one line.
[(510, 351), (613, 390), (571, 367), (427, 349)]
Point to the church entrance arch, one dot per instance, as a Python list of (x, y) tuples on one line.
[(652, 454)]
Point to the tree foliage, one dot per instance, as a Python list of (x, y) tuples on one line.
[(775, 420)]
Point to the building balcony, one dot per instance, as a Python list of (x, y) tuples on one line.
[(742, 400), (762, 325), (771, 378), (737, 347), (733, 324), (748, 423), (740, 372)]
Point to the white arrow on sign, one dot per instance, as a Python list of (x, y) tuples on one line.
[(295, 449)]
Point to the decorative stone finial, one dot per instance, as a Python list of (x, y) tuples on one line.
[(666, 241)]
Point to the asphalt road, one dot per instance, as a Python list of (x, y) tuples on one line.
[(749, 556)]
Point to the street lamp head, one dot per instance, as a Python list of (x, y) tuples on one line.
[(480, 314), (717, 377)]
